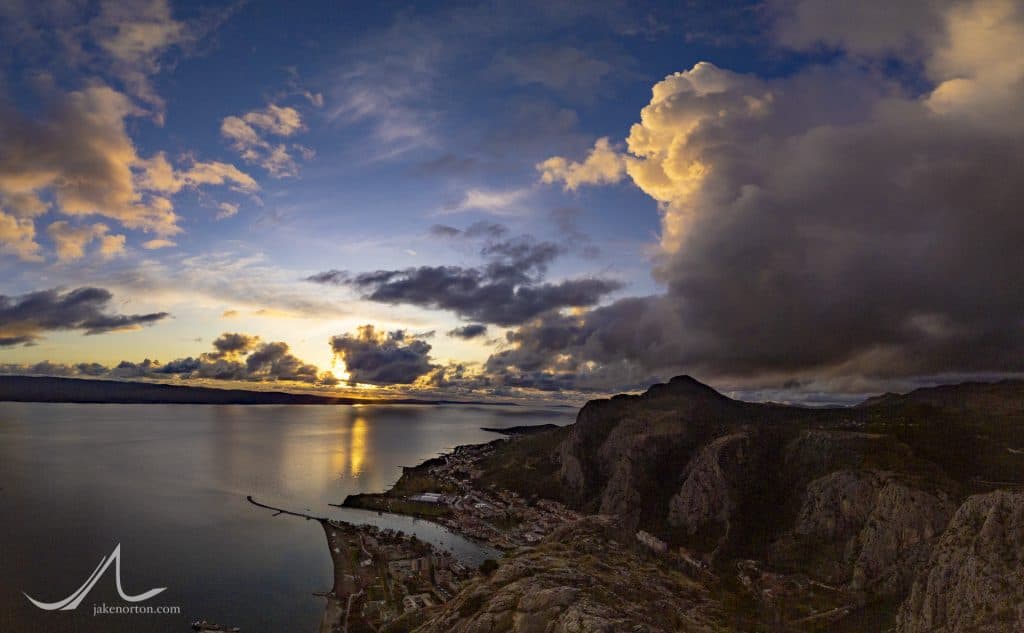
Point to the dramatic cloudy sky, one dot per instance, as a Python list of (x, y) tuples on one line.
[(790, 199)]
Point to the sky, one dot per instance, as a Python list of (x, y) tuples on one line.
[(795, 200)]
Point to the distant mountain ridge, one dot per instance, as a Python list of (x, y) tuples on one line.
[(1003, 397), (84, 391)]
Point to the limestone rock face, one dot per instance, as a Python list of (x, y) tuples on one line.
[(837, 505), (879, 524), (787, 515), (619, 455), (898, 534), (713, 477), (579, 580), (974, 578)]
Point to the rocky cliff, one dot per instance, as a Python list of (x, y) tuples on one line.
[(586, 578), (973, 579), (867, 518)]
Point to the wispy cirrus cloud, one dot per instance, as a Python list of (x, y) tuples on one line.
[(494, 202)]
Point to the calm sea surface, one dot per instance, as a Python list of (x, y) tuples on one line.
[(168, 483)]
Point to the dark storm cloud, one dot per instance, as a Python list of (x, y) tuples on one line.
[(620, 346), (274, 360), (472, 294), (481, 229), (181, 366), (825, 226), (333, 276), (25, 318), (384, 358), (508, 289), (473, 330), (233, 343)]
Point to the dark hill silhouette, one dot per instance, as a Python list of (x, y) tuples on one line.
[(78, 390)]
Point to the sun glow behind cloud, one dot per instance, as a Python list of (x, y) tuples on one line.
[(818, 175)]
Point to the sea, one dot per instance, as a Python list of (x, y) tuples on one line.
[(159, 493)]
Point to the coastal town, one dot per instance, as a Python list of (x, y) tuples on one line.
[(382, 575), (386, 578), (498, 517)]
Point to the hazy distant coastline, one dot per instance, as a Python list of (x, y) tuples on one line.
[(84, 391)]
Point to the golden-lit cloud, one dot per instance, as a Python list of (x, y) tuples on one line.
[(70, 241), (226, 210), (80, 155), (18, 237), (134, 35), (980, 66), (247, 135), (158, 175), (277, 120), (603, 165), (152, 245)]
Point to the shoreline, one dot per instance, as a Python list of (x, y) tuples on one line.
[(380, 575), (58, 390), (444, 490)]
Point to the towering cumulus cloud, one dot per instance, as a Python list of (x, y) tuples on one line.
[(830, 201)]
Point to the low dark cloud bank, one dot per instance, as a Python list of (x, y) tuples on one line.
[(25, 318), (473, 330), (236, 357)]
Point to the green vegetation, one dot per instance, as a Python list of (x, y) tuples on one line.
[(527, 465), (389, 502), (414, 481)]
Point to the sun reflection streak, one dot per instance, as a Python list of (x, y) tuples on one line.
[(357, 446)]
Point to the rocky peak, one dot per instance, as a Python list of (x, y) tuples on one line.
[(683, 387)]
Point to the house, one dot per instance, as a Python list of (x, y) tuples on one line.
[(427, 497), (416, 602)]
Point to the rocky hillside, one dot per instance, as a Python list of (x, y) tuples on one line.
[(897, 514), (588, 577)]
